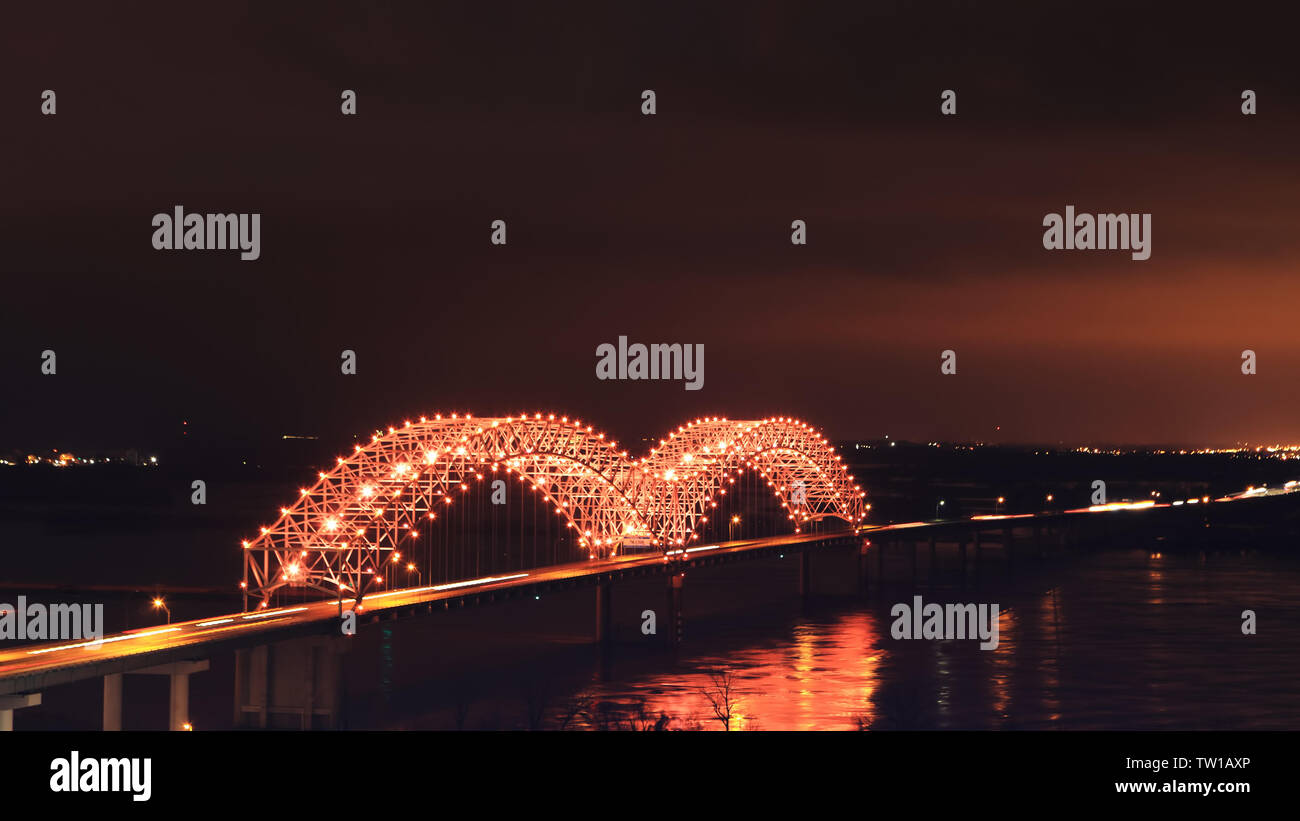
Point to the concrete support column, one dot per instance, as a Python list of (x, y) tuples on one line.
[(295, 683), (929, 570), (604, 612), (179, 703), (178, 710), (251, 687), (15, 702), (676, 618), (113, 702), (864, 563)]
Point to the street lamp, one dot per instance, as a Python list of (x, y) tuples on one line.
[(731, 528), (419, 577), (998, 507), (158, 603), (936, 508)]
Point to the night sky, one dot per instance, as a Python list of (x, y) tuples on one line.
[(924, 231)]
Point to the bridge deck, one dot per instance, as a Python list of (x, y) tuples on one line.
[(31, 668)]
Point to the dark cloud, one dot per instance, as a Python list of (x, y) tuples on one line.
[(924, 232)]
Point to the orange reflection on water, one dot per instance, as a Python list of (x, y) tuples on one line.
[(1050, 636), (1155, 581), (823, 680), (1003, 662)]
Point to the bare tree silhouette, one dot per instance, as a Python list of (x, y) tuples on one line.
[(721, 694), (641, 720), (574, 707)]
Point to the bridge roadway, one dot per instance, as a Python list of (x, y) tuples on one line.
[(31, 668)]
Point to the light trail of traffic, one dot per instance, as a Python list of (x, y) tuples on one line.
[(102, 641), (26, 659)]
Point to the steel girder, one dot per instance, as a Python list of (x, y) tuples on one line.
[(341, 529)]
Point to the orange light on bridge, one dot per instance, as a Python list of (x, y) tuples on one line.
[(595, 489)]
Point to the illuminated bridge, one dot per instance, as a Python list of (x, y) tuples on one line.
[(584, 515), (343, 531), (598, 515)]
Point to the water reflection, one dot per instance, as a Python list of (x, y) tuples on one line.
[(822, 677), (1049, 627), (1002, 661), (1120, 641)]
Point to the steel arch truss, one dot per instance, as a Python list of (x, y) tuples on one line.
[(345, 525)]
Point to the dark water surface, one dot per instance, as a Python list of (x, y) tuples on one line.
[(1118, 639), (1114, 640)]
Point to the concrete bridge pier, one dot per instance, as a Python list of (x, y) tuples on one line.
[(113, 703), (676, 619), (294, 684), (178, 707), (864, 565), (604, 612), (15, 702)]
